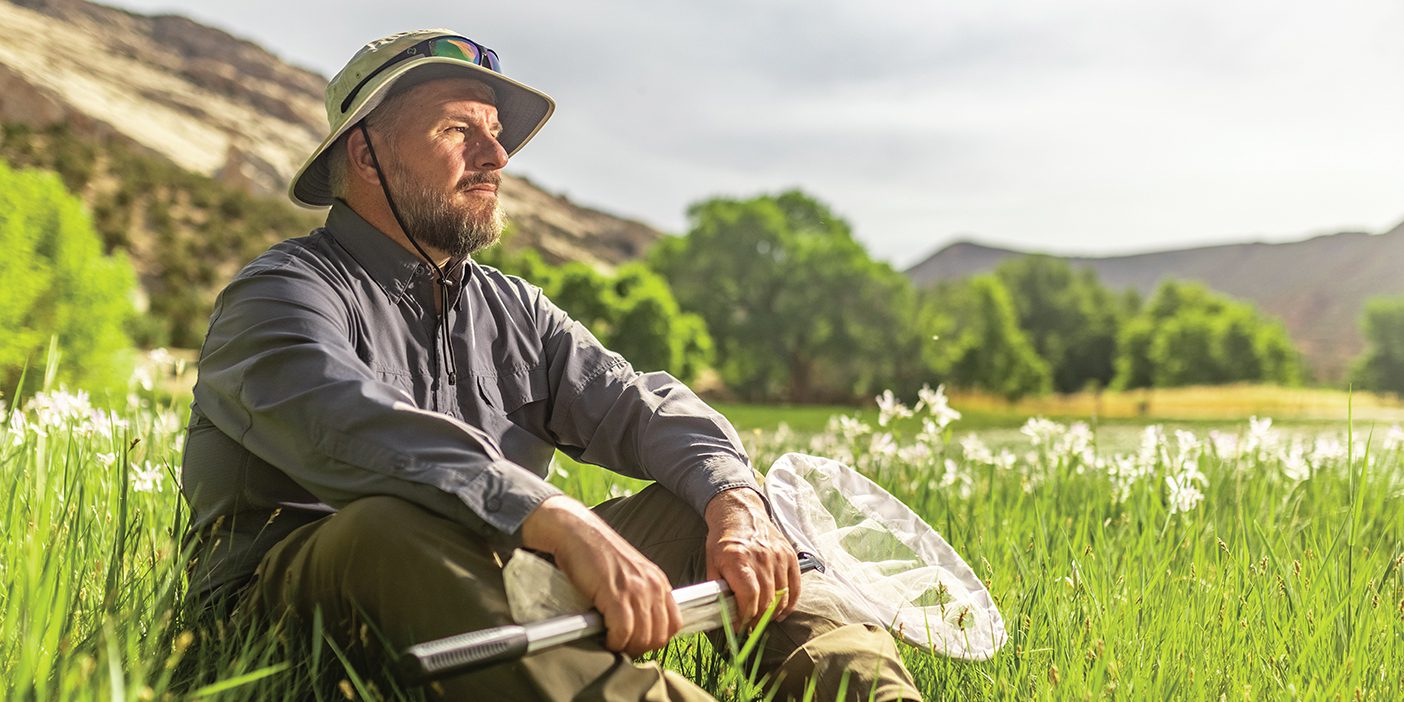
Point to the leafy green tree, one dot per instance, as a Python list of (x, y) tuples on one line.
[(1069, 316), (796, 307), (980, 344), (55, 282), (1189, 335), (632, 311), (1381, 366)]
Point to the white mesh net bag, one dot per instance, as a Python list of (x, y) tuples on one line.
[(883, 564)]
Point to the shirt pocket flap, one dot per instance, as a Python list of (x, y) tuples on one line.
[(509, 392)]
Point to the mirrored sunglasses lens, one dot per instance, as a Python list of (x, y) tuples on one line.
[(456, 48)]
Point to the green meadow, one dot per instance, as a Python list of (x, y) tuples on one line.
[(1130, 560)]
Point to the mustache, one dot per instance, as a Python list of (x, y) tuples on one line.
[(482, 178)]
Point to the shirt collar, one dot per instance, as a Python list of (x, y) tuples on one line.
[(390, 265)]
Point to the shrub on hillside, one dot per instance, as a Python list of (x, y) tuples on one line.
[(55, 282), (1381, 367)]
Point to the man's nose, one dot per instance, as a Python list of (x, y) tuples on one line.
[(488, 154)]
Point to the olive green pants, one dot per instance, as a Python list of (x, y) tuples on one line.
[(386, 574)]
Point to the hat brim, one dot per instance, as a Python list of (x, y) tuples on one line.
[(521, 109)]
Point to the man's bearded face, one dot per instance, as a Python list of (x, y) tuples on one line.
[(457, 223)]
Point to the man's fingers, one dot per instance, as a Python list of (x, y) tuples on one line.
[(619, 626), (746, 587), (645, 627), (789, 574), (765, 592)]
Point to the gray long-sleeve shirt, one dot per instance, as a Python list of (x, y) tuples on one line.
[(322, 380)]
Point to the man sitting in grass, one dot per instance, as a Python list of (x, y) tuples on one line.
[(376, 412)]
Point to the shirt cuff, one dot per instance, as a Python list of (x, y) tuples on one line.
[(504, 494), (715, 476)]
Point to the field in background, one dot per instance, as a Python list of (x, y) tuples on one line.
[(1227, 559), (1191, 405)]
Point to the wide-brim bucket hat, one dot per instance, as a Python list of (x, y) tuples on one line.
[(366, 81)]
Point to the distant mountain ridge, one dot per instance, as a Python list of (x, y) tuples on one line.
[(224, 107), (1318, 286)]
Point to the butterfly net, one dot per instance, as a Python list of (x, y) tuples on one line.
[(883, 564)]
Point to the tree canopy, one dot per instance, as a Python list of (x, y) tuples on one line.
[(1381, 366), (979, 341), (1187, 335), (796, 307), (1069, 316), (632, 311)]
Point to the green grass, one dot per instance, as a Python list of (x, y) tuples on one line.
[(1271, 588)]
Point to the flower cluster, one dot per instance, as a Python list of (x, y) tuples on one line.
[(154, 433), (912, 448)]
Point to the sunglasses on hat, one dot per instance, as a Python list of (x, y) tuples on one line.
[(461, 48)]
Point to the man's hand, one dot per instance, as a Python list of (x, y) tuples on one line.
[(631, 592), (746, 549)]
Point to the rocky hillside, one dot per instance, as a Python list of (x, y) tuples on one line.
[(218, 107), (1318, 287)]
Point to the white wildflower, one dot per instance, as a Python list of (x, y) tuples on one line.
[(58, 408), (1005, 460), (147, 477), (1187, 442), (956, 476), (1295, 465), (930, 433), (914, 454), (106, 425), (1327, 449), (883, 445), (1042, 432), (19, 427), (937, 405), (1225, 445), (1261, 437), (1076, 446), (976, 451), (1152, 448), (1183, 495), (142, 377), (1124, 471), (890, 408), (850, 427)]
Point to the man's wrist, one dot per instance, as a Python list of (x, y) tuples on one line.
[(543, 528), (740, 498)]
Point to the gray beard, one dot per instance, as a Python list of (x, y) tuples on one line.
[(434, 220)]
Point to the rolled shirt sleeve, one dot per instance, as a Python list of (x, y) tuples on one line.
[(645, 425), (280, 375)]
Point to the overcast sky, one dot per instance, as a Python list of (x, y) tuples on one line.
[(1070, 126)]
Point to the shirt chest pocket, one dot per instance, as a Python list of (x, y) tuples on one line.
[(510, 392)]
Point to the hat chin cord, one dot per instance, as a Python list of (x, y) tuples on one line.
[(441, 318)]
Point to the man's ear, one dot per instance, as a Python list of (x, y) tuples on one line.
[(360, 165)]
